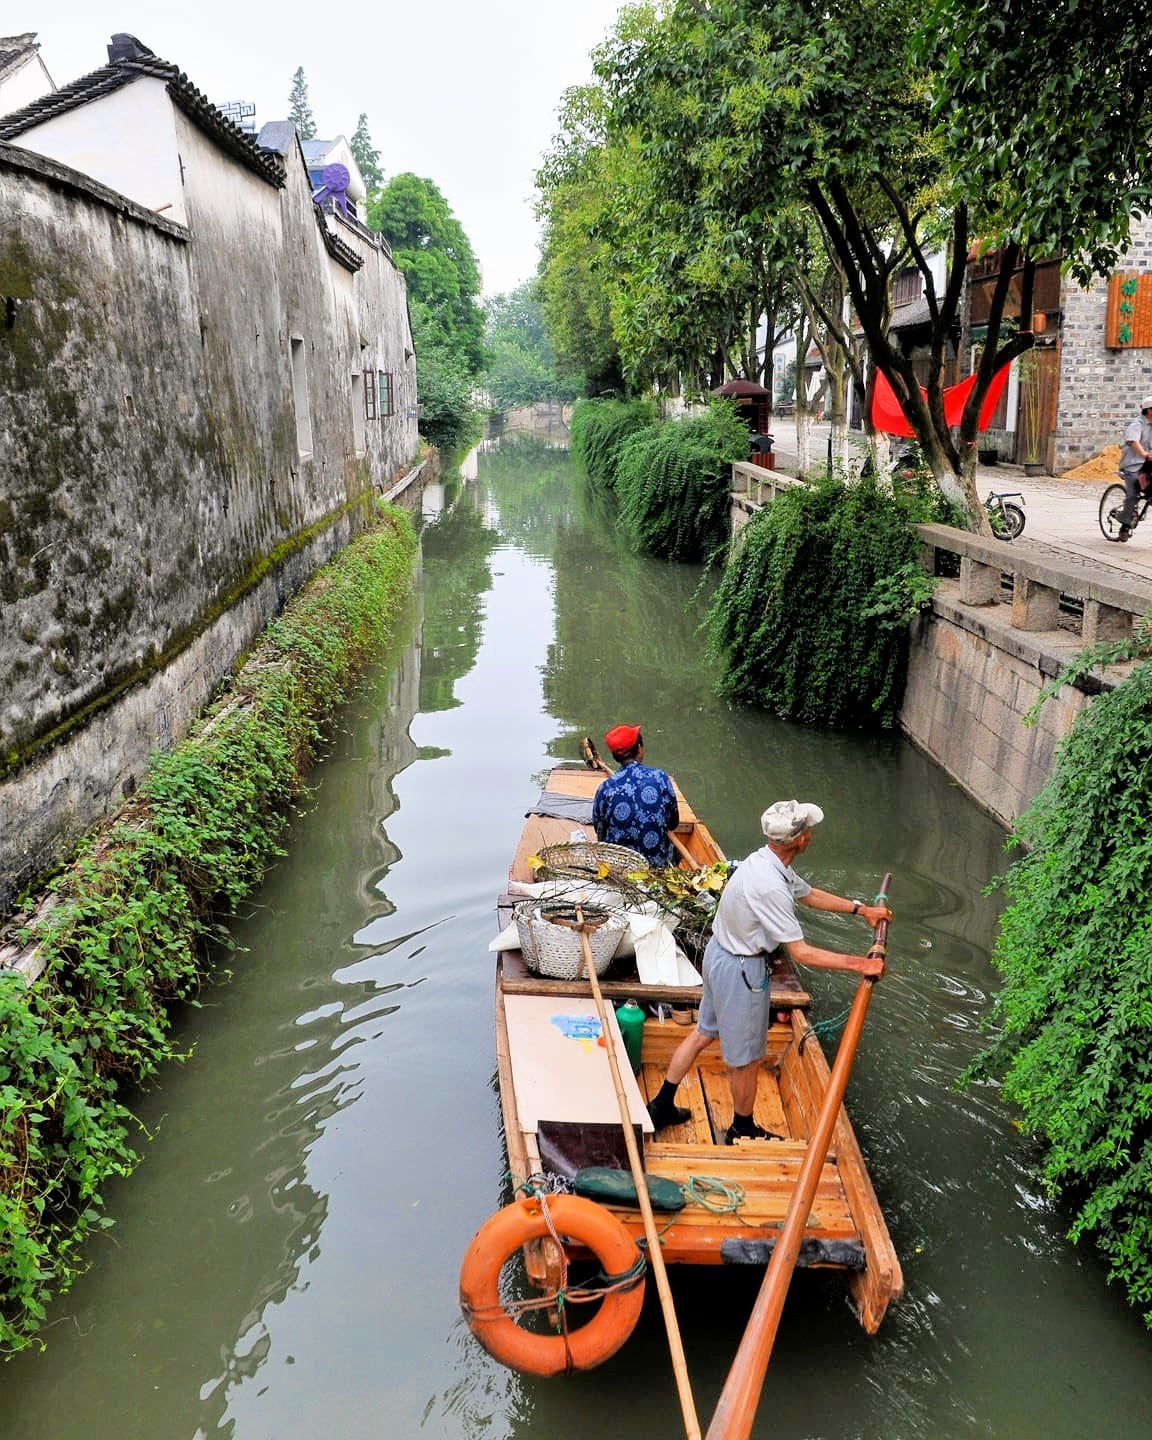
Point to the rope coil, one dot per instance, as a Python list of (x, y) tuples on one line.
[(720, 1196)]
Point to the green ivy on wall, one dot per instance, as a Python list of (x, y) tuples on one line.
[(811, 617), (1074, 1017), (131, 919), (674, 479)]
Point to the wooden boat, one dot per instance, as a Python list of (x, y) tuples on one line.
[(541, 1096)]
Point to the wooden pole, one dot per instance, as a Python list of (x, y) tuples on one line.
[(655, 1257), (683, 850), (736, 1408)]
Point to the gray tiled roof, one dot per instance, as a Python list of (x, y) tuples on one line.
[(339, 250), (15, 50), (194, 104), (915, 312)]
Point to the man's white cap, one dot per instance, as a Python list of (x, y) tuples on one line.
[(786, 819), (1146, 403)]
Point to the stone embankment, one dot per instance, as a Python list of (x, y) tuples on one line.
[(998, 633)]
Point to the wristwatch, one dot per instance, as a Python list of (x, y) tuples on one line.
[(855, 907)]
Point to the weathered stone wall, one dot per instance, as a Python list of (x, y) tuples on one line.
[(1100, 389), (156, 508), (971, 680)]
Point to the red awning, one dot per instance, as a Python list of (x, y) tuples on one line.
[(889, 418)]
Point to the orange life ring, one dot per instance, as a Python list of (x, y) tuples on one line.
[(573, 1218)]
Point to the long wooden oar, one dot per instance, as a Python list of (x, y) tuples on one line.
[(736, 1408), (655, 1257), (591, 757)]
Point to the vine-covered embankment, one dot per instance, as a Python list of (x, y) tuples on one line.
[(127, 927)]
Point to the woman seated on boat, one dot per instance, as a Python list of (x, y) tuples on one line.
[(754, 921), (636, 806)]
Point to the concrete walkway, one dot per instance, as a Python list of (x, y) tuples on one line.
[(1062, 514)]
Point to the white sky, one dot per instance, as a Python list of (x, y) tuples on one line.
[(463, 92)]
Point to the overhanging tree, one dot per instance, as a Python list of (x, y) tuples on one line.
[(1045, 107), (753, 109)]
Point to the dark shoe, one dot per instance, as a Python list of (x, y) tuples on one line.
[(664, 1115), (1125, 533), (757, 1133)]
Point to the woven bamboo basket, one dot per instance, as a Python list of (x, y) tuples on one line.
[(555, 951), (586, 859)]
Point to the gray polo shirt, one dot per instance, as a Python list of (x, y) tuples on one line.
[(1138, 429), (757, 909)]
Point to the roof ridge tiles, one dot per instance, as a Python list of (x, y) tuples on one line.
[(183, 92)]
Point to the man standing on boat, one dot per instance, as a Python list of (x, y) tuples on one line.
[(636, 806), (756, 921)]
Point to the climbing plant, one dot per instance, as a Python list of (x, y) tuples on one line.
[(811, 617), (127, 927), (674, 479), (599, 428), (1075, 949)]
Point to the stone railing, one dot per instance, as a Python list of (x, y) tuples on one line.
[(752, 487), (1041, 586)]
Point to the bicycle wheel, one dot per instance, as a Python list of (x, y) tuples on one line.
[(1111, 503), (1013, 519)]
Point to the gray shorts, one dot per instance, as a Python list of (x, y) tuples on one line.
[(728, 1009)]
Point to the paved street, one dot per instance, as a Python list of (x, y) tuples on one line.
[(1062, 514)]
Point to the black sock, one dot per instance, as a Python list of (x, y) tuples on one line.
[(743, 1124), (667, 1095)]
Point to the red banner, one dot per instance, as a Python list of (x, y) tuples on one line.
[(889, 418)]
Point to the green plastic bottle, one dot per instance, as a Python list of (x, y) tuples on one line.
[(630, 1017)]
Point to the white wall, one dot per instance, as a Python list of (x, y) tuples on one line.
[(125, 140), (25, 85)]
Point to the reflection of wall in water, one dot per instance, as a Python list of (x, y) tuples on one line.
[(432, 501)]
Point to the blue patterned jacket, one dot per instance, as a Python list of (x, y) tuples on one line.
[(637, 807)]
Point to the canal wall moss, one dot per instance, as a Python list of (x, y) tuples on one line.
[(88, 979)]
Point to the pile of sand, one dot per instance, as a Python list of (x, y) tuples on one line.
[(1100, 467)]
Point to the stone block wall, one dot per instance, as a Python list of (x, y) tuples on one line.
[(156, 505), (1100, 389), (968, 690)]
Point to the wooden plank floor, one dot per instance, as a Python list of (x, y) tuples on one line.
[(766, 1171)]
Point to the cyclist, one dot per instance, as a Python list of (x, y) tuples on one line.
[(1135, 464)]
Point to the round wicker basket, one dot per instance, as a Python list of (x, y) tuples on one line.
[(555, 951), (586, 860)]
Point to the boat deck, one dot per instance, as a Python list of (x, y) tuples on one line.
[(754, 1180)]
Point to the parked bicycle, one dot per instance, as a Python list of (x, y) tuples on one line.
[(1007, 517), (1111, 507), (1004, 513)]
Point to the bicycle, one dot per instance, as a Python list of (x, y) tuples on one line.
[(1007, 518), (1112, 503)]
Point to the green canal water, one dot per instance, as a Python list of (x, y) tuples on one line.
[(284, 1263)]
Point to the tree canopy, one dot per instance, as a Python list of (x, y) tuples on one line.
[(575, 293), (522, 366), (1043, 107), (430, 246), (719, 141)]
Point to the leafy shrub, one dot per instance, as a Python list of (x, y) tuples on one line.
[(126, 928), (674, 479), (600, 427), (811, 617), (1075, 949)]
